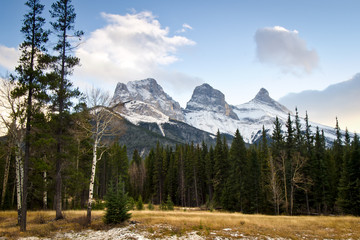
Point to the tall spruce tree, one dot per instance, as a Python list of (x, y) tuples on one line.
[(63, 14), (252, 182), (277, 138), (220, 168), (343, 198), (349, 185), (338, 151), (30, 80), (265, 188), (209, 170), (308, 168), (288, 163), (234, 194)]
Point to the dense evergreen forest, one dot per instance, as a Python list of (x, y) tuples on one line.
[(56, 155), (290, 172)]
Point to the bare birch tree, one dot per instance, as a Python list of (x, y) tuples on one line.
[(274, 185), (13, 125), (283, 169), (298, 179), (102, 118)]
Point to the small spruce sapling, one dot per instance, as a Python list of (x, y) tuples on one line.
[(117, 210), (169, 204), (139, 204), (150, 206)]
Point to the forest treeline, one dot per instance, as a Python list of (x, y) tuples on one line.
[(291, 172)]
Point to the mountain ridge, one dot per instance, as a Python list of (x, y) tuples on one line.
[(207, 110)]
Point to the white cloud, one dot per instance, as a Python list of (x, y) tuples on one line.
[(129, 47), (185, 27), (8, 57), (284, 48)]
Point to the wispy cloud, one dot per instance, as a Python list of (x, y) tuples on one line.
[(129, 47), (184, 28), (284, 48), (8, 57)]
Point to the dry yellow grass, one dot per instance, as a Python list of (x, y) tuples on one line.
[(42, 223), (295, 227), (178, 222)]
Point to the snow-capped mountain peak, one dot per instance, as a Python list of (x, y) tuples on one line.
[(263, 97), (150, 92), (145, 101), (206, 98)]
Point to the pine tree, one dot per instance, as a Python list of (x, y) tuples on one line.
[(63, 13), (169, 204), (288, 165), (338, 151), (139, 204), (149, 169), (209, 170), (220, 168), (159, 173), (137, 175), (323, 174), (299, 136), (171, 181), (252, 181), (30, 80), (116, 205), (349, 194), (234, 193), (308, 168), (265, 193), (277, 138)]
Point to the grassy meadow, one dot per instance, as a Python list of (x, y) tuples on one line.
[(161, 224)]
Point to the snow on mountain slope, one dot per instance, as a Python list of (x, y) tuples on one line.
[(150, 92), (250, 117), (146, 102), (137, 111), (209, 99), (212, 122)]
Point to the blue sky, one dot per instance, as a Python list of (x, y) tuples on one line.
[(235, 46)]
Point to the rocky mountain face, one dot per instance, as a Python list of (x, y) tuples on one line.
[(248, 117), (263, 97), (146, 104), (148, 91), (206, 98)]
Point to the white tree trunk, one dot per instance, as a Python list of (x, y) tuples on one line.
[(19, 177), (92, 180), (6, 178), (45, 191)]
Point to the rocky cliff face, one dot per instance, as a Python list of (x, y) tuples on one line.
[(206, 98), (150, 92)]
